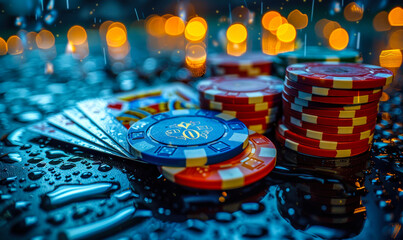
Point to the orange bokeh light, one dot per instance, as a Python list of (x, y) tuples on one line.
[(196, 29), (268, 17), (320, 25), (237, 33), (395, 16), (103, 29), (298, 19), (353, 12), (3, 47), (396, 39), (381, 22), (155, 26), (338, 39), (77, 35), (391, 58), (329, 28), (45, 39), (116, 37), (174, 26), (286, 33), (15, 45)]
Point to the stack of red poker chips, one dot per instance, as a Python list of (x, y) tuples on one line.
[(330, 109), (253, 100)]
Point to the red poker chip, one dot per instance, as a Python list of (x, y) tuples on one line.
[(328, 136), (263, 120), (340, 75), (242, 115), (240, 107), (321, 91), (254, 163), (322, 144), (347, 122), (258, 127), (319, 152), (330, 112), (250, 90), (328, 129), (362, 99), (327, 106)]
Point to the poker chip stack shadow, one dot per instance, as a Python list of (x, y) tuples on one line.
[(202, 149), (255, 101), (330, 109)]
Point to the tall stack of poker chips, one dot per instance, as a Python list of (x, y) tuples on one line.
[(253, 100), (330, 109), (315, 54), (202, 149), (248, 65)]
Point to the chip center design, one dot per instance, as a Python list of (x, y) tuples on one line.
[(192, 130)]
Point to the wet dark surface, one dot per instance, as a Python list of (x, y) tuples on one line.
[(50, 189)]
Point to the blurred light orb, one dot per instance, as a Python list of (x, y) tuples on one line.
[(174, 26), (196, 29), (396, 39), (3, 47), (353, 12), (237, 33), (45, 39), (380, 22), (391, 58), (268, 17), (395, 17), (286, 33), (155, 26), (329, 28), (320, 25), (77, 35), (338, 39), (298, 19), (116, 37), (14, 45)]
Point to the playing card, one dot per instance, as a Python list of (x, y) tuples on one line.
[(64, 123), (80, 119), (44, 129), (101, 116)]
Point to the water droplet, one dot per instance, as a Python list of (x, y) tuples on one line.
[(224, 217), (126, 195), (35, 160), (8, 180), (253, 230), (65, 194), (35, 175), (55, 161), (86, 175), (31, 187), (196, 225), (67, 166), (252, 207), (104, 167), (55, 154), (30, 116), (26, 146), (101, 228), (11, 158), (25, 225)]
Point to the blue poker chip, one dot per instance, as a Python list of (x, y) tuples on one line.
[(188, 138)]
